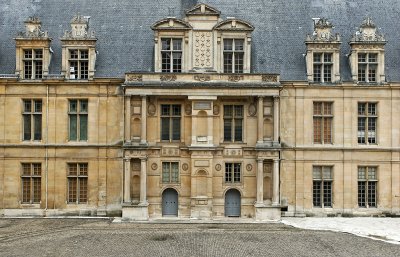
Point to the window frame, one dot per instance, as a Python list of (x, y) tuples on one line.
[(322, 64), (32, 114), (234, 53), (321, 182), (33, 187), (79, 178), (171, 51), (367, 192), (80, 73), (323, 117), (232, 179), (367, 118), (367, 63), (170, 172), (34, 63), (232, 118), (79, 114), (171, 118)]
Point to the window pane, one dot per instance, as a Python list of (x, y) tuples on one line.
[(176, 110), (166, 62), (83, 126), (361, 194), (73, 127), (177, 44), (361, 173), (317, 194), (27, 126), (176, 128), (372, 193), (165, 172), (82, 190), (362, 57), (317, 130), (228, 61), (327, 172), (227, 130), (165, 44), (73, 106), (26, 190), (38, 105), (317, 172), (317, 72), (36, 190), (73, 54), (83, 106), (37, 126), (239, 44), (83, 169), (328, 130), (327, 193), (72, 169), (175, 172), (238, 129), (228, 110), (372, 57), (361, 108), (239, 62), (228, 44), (164, 128), (236, 172), (28, 54), (371, 173), (72, 190), (228, 172), (327, 57), (177, 62), (84, 54), (165, 110), (26, 169), (317, 57)]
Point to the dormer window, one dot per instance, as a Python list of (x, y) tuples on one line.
[(33, 63), (367, 56), (78, 64), (323, 67), (33, 52), (171, 55), (367, 67), (233, 55), (79, 50), (322, 56)]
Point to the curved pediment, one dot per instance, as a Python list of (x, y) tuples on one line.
[(171, 23), (203, 9), (234, 24)]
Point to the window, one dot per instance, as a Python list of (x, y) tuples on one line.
[(170, 122), (32, 120), (233, 172), (78, 64), (367, 183), (322, 119), (322, 67), (233, 55), (171, 55), (78, 119), (233, 123), (33, 63), (31, 182), (77, 182), (367, 122), (322, 186), (170, 172), (367, 67)]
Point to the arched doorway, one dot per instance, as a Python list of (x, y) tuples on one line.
[(170, 202), (232, 203)]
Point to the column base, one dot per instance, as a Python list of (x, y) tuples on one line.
[(268, 213), (135, 212), (143, 142)]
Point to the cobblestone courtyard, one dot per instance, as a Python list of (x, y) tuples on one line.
[(101, 237)]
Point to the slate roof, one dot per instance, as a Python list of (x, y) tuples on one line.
[(125, 39)]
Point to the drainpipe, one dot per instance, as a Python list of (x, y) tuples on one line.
[(47, 142), (123, 143)]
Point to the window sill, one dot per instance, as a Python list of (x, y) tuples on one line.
[(31, 205)]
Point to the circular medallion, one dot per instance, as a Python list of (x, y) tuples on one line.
[(185, 166), (151, 110), (252, 110), (249, 167), (188, 109), (216, 109), (154, 166), (218, 167)]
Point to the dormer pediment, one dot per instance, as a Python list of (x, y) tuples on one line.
[(171, 24), (202, 9), (234, 24)]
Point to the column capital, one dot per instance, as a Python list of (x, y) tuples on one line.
[(260, 160), (276, 160), (127, 159), (276, 98), (143, 158), (143, 96), (260, 97)]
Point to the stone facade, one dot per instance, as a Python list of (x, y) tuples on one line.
[(201, 136)]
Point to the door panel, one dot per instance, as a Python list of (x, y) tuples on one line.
[(232, 203), (170, 202)]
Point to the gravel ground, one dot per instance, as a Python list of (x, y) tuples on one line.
[(101, 237)]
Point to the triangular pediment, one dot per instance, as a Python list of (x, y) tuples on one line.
[(203, 9), (171, 23), (234, 24)]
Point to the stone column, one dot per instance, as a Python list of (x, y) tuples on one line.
[(276, 118), (260, 120), (128, 119), (127, 180), (275, 193), (143, 134), (260, 182), (143, 181)]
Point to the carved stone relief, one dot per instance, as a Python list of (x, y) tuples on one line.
[(216, 110), (252, 110), (168, 77), (188, 109), (202, 49), (151, 109)]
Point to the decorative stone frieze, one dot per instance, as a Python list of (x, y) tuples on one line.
[(168, 77), (235, 78), (202, 77), (133, 77)]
